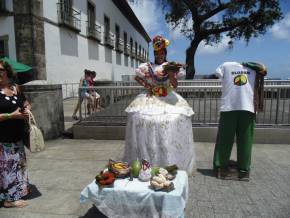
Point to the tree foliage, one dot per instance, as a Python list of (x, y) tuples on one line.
[(210, 20)]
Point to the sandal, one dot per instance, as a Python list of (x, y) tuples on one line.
[(15, 204)]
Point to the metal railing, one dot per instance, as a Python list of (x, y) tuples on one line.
[(119, 45), (68, 16), (70, 90), (218, 82), (204, 100), (94, 31), (139, 56), (133, 53), (109, 39), (127, 49)]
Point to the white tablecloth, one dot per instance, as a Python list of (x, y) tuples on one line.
[(132, 199)]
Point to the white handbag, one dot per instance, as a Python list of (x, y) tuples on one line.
[(35, 136)]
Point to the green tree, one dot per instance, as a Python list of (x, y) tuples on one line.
[(210, 20)]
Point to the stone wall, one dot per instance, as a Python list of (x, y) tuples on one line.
[(47, 107), (29, 35)]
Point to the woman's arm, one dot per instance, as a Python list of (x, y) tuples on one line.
[(81, 83), (5, 116), (143, 82), (26, 104), (14, 115)]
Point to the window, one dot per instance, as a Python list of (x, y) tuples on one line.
[(91, 15), (139, 52), (107, 25), (126, 49), (117, 38), (108, 38), (68, 16), (2, 5), (117, 29), (125, 39), (4, 46), (136, 49), (131, 47), (67, 6), (93, 30)]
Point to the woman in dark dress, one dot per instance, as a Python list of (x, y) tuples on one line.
[(13, 112)]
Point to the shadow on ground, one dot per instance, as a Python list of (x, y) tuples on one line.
[(93, 212), (206, 172), (34, 193)]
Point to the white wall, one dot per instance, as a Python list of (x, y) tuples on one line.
[(68, 53), (67, 56), (7, 28)]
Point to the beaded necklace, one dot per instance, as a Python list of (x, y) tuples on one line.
[(12, 98)]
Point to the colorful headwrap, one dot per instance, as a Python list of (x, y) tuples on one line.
[(258, 67), (160, 43)]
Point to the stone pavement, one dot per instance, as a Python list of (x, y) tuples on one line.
[(59, 173)]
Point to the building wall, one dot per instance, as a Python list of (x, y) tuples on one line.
[(68, 53), (7, 29)]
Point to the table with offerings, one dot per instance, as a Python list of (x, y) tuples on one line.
[(132, 199)]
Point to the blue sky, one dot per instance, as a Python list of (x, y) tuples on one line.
[(272, 49)]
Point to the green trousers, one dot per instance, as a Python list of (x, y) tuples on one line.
[(241, 124)]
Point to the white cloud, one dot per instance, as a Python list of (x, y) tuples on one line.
[(214, 49), (281, 30), (176, 33), (148, 13)]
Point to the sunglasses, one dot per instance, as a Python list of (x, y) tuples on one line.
[(2, 70)]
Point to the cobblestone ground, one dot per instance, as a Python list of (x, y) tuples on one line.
[(266, 195), (59, 173)]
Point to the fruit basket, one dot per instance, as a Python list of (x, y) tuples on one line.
[(172, 66), (119, 168), (105, 179)]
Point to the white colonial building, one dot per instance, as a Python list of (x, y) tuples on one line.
[(61, 38), (7, 35)]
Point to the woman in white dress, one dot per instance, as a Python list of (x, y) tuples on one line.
[(159, 127)]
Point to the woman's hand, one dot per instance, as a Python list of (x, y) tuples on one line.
[(17, 114), (27, 105)]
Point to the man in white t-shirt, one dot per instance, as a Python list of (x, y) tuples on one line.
[(237, 117)]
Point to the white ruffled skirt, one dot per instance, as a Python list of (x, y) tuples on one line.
[(159, 129)]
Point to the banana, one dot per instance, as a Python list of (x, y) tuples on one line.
[(118, 166)]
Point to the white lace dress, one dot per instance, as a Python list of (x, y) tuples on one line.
[(159, 129)]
